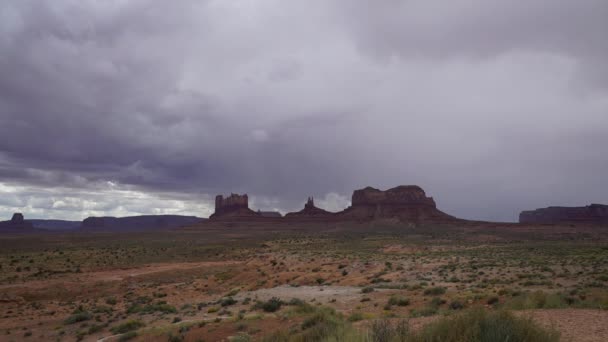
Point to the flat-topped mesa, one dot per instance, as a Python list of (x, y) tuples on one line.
[(401, 195), (232, 206), (309, 211), (591, 214), (407, 203)]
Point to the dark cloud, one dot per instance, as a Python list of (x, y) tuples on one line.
[(491, 106)]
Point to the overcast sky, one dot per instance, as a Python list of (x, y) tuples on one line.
[(120, 107)]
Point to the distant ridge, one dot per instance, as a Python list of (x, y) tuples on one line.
[(591, 214), (138, 223)]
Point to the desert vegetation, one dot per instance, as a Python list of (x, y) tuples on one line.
[(408, 285)]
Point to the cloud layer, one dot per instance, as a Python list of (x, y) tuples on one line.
[(490, 106)]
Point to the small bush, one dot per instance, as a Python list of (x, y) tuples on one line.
[(127, 326), (456, 305), (482, 326), (399, 301), (227, 301), (272, 305), (128, 336), (355, 317), (434, 291), (367, 289), (78, 317)]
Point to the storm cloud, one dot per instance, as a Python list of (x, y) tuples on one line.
[(148, 106)]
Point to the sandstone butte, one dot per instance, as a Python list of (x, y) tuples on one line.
[(407, 203)]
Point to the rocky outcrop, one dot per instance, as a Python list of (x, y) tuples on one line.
[(310, 211), (138, 223), (16, 224), (407, 203), (591, 214), (233, 206)]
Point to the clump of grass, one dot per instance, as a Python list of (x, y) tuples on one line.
[(127, 326), (79, 316), (151, 308), (434, 291), (483, 326), (227, 301), (271, 305), (355, 317), (398, 300), (367, 289), (128, 336)]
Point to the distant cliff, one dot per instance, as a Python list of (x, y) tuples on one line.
[(407, 203), (16, 224), (591, 214), (233, 206), (138, 223), (310, 211)]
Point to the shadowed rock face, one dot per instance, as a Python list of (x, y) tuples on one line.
[(233, 206), (310, 211), (401, 195), (17, 223), (407, 203), (591, 214), (17, 218)]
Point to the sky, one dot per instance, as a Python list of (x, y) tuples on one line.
[(120, 107)]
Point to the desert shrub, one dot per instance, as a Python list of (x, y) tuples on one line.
[(492, 300), (383, 331), (241, 337), (436, 301), (94, 328), (456, 305), (434, 291), (227, 301), (152, 308), (424, 312), (537, 300), (398, 300), (271, 305), (79, 316), (483, 326), (128, 336), (355, 317), (367, 289), (127, 326)]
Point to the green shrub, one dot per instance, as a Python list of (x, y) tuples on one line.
[(78, 317), (241, 337), (127, 326), (367, 289), (128, 336), (398, 300), (434, 291), (227, 301), (355, 317), (271, 305), (482, 326)]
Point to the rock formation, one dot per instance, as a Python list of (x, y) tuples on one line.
[(407, 203), (17, 223), (310, 211), (591, 214), (233, 206)]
